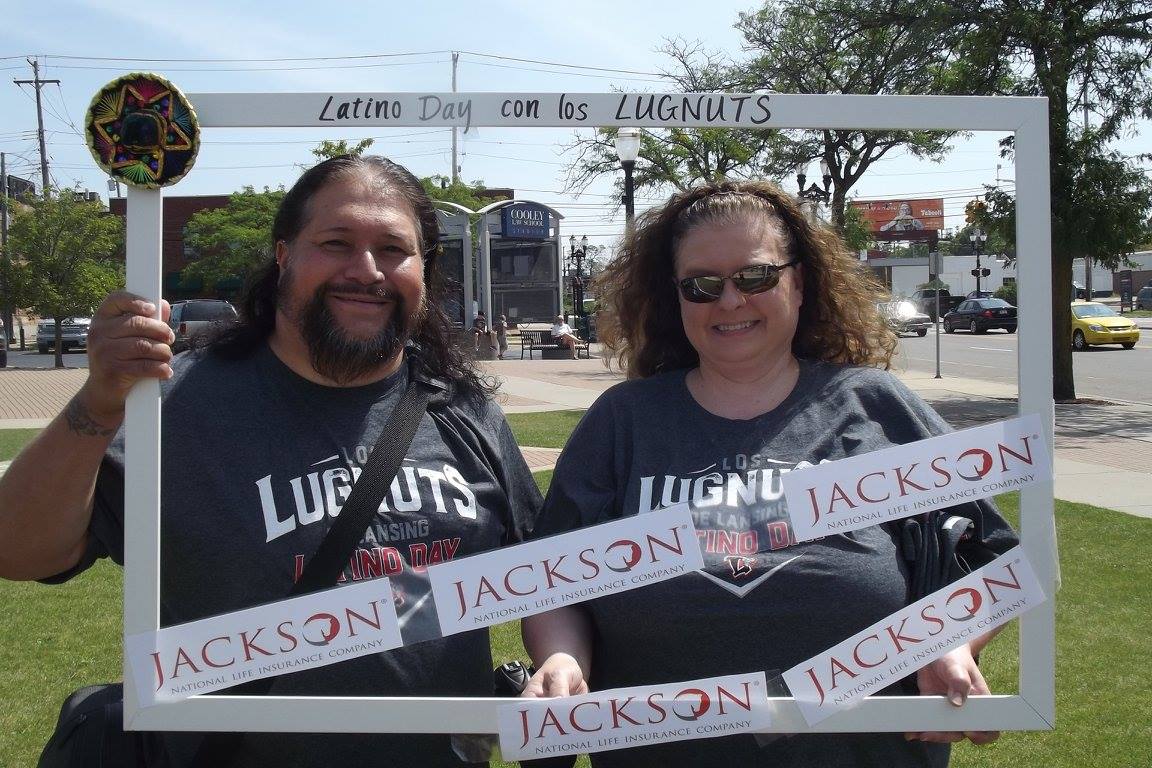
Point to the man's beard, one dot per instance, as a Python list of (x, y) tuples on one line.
[(335, 354)]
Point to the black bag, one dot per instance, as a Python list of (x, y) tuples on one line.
[(90, 732), (940, 547)]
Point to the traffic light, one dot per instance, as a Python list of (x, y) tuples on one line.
[(976, 272), (985, 272)]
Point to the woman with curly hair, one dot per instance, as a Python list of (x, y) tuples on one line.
[(753, 346)]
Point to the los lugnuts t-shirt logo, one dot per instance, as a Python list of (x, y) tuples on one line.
[(740, 515)]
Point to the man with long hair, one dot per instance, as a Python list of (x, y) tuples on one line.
[(265, 430)]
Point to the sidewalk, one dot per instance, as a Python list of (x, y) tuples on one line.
[(1103, 452)]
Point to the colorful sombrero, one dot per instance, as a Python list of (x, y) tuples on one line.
[(141, 129)]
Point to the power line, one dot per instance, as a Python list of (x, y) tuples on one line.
[(225, 61), (569, 74), (560, 64), (261, 69)]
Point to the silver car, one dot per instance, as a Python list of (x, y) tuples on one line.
[(73, 334), (198, 317)]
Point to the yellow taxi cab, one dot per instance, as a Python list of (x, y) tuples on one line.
[(1094, 323)]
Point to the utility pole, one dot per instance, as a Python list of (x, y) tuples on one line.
[(37, 83), (455, 164), (4, 291), (1087, 257)]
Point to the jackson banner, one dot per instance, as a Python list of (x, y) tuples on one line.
[(531, 578), (632, 717), (915, 636), (304, 632), (906, 480)]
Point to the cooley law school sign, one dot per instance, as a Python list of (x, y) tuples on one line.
[(1032, 709)]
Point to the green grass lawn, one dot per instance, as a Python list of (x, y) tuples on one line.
[(55, 639), (12, 440), (547, 429)]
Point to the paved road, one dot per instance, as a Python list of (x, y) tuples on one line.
[(33, 359), (1101, 372)]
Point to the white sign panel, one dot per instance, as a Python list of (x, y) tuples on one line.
[(539, 576), (634, 717), (915, 636), (911, 479), (301, 633)]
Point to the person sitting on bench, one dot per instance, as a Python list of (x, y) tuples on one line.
[(563, 334)]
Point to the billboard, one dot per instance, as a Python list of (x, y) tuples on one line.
[(18, 187), (889, 217)]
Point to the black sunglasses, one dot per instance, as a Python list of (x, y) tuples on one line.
[(754, 278)]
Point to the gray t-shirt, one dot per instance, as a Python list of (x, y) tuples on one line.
[(256, 463), (762, 602)]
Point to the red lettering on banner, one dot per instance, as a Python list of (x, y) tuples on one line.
[(280, 631), (860, 488), (208, 661), (924, 614), (550, 571), (618, 712), (856, 653), (897, 636), (723, 693), (583, 558), (902, 479), (1014, 584), (654, 703), (941, 471), (508, 581), (1025, 457), (576, 725), (675, 547)]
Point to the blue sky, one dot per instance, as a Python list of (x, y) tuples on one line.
[(589, 33)]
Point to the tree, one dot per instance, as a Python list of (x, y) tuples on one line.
[(328, 149), (1085, 56), (442, 188), (801, 48), (677, 158), (794, 48), (856, 231), (235, 240), (63, 250)]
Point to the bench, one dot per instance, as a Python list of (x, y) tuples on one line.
[(532, 340)]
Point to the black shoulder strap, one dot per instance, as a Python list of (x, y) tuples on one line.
[(324, 567)]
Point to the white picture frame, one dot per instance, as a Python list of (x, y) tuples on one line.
[(1033, 708)]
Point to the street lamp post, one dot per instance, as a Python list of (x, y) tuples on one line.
[(628, 149), (814, 195), (576, 275), (978, 238)]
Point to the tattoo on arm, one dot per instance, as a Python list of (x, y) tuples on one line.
[(80, 422)]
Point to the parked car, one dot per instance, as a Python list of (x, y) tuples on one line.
[(1079, 291), (979, 315), (1143, 298), (73, 334), (192, 318), (925, 301), (903, 317), (1094, 323)]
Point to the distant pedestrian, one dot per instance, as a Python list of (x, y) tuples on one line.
[(563, 335), (479, 328), (500, 327)]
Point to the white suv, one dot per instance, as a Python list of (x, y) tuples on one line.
[(73, 333), (195, 317)]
